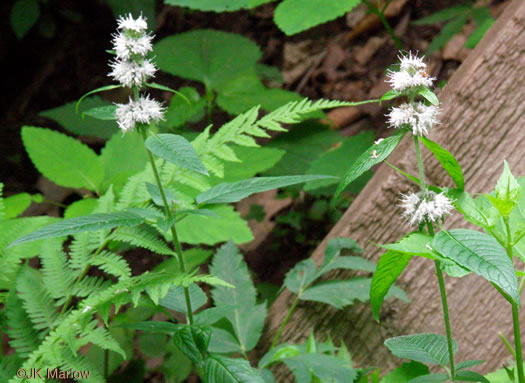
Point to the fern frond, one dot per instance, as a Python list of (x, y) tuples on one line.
[(81, 248), (112, 264), (102, 338), (23, 337), (58, 278), (36, 301), (71, 362), (90, 285), (143, 236)]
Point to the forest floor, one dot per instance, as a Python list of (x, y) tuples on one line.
[(345, 59)]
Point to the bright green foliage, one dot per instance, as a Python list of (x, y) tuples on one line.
[(247, 318), (16, 204), (480, 253), (177, 150), (449, 163), (389, 268), (374, 155), (142, 236), (24, 338), (234, 192), (507, 192), (62, 159), (405, 373), (181, 111), (471, 376), (294, 16), (72, 121), (221, 369), (424, 348), (193, 342), (430, 378), (24, 15), (218, 5), (175, 299)]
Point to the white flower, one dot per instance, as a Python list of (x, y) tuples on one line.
[(128, 47), (405, 79), (143, 111), (132, 73), (128, 23), (418, 116), (431, 206), (412, 62)]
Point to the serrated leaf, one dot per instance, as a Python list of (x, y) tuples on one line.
[(156, 195), (424, 348), (62, 159), (325, 367), (447, 160), (374, 155), (235, 191), (390, 266), (294, 16), (177, 150), (212, 315), (470, 376), (93, 222), (413, 244), (210, 57), (300, 276), (193, 342), (468, 363), (175, 299), (223, 342), (24, 15), (481, 254), (247, 318), (221, 369), (103, 113), (218, 5)]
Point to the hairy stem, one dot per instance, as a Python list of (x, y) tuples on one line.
[(285, 321), (515, 312), (170, 217)]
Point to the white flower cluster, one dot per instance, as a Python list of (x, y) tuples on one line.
[(412, 74), (132, 69), (422, 206), (417, 115)]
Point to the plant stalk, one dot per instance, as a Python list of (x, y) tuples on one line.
[(169, 217), (285, 321), (420, 164)]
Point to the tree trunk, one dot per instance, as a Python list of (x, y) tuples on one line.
[(483, 123)]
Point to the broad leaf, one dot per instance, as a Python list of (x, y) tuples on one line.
[(221, 369), (218, 5), (193, 342), (223, 342), (390, 266), (405, 373), (177, 150), (424, 348), (247, 318), (428, 95), (103, 113), (212, 315), (176, 300), (24, 15), (507, 192), (430, 378), (300, 276), (480, 253), (294, 16), (413, 244), (210, 57), (470, 376), (279, 353), (447, 160), (156, 195), (325, 367), (235, 191), (468, 363), (374, 155), (62, 159), (93, 222)]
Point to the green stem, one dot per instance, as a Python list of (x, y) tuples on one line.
[(515, 312), (381, 15), (285, 321), (169, 217), (420, 164)]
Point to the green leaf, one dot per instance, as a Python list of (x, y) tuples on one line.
[(177, 150), (193, 342), (447, 32), (329, 163), (447, 160), (154, 85), (390, 95), (332, 260), (218, 5), (294, 16), (344, 293), (24, 15), (468, 363), (300, 276), (212, 315), (247, 317), (235, 191), (98, 90), (93, 222), (428, 95), (211, 57), (405, 373), (484, 20), (73, 122), (413, 244), (230, 225), (156, 195), (179, 112), (389, 268), (424, 348), (62, 159), (327, 368), (508, 192), (430, 378), (480, 253), (16, 204), (444, 15), (374, 155), (175, 299), (221, 369), (470, 376), (223, 342), (103, 113), (279, 353), (152, 326)]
